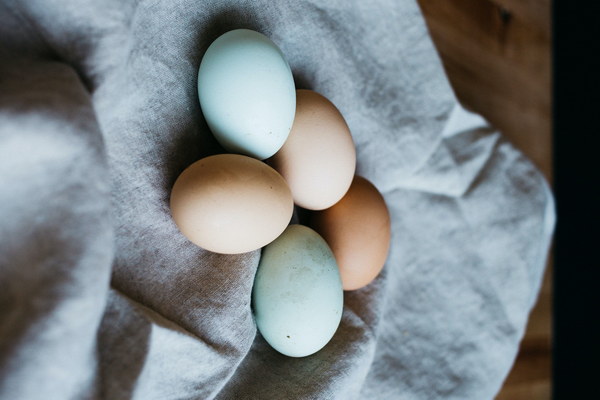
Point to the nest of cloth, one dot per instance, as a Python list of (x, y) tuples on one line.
[(102, 297)]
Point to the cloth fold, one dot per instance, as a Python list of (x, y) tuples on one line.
[(102, 297)]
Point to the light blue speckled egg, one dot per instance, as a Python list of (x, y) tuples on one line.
[(297, 295), (247, 93)]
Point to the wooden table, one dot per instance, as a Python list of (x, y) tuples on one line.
[(497, 57)]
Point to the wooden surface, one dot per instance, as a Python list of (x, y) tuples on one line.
[(497, 57)]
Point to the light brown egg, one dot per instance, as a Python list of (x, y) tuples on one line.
[(318, 159), (357, 229), (229, 203)]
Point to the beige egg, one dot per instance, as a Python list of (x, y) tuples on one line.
[(318, 159), (357, 229), (229, 203)]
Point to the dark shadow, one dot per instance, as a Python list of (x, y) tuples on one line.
[(302, 80), (303, 215)]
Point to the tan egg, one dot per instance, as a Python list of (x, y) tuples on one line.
[(229, 203), (357, 229), (318, 159)]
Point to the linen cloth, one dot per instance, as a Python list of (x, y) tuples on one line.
[(102, 297)]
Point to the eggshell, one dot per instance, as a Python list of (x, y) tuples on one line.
[(318, 159), (297, 295), (247, 94), (357, 229), (229, 203)]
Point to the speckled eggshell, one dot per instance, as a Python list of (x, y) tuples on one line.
[(357, 229), (297, 295), (247, 93), (318, 159), (229, 203)]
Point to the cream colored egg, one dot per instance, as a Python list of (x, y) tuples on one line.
[(318, 159), (231, 204)]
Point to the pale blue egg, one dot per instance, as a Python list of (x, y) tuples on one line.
[(247, 93), (297, 295)]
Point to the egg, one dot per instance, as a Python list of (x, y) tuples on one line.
[(297, 295), (230, 203), (358, 230), (318, 159), (247, 93)]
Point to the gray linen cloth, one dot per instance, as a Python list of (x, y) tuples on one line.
[(102, 297)]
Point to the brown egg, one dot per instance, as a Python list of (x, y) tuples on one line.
[(318, 158), (231, 203), (357, 229)]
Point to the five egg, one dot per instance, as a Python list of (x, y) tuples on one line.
[(235, 203)]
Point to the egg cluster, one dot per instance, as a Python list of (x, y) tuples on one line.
[(286, 146)]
